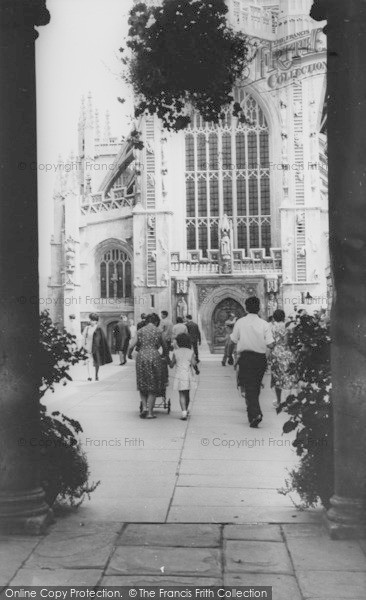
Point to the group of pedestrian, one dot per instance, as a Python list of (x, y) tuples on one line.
[(159, 345), (251, 344), (95, 343)]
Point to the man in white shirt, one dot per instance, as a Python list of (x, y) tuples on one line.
[(253, 336)]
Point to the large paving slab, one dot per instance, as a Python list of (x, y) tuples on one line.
[(323, 554), (13, 553), (257, 557), (284, 587), (201, 536), (204, 562), (128, 509), (87, 547), (61, 577), (332, 584)]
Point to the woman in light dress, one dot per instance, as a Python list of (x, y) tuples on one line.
[(185, 362), (281, 358)]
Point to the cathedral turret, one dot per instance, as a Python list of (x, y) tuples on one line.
[(81, 126), (97, 125), (89, 129), (107, 128)]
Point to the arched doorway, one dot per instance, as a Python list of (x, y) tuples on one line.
[(221, 314)]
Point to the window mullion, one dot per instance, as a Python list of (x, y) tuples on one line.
[(259, 183), (208, 198), (220, 178), (247, 190), (234, 167), (196, 188)]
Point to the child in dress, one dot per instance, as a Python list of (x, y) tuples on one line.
[(185, 361)]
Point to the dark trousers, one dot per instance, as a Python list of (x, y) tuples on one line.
[(228, 351), (195, 348), (252, 367)]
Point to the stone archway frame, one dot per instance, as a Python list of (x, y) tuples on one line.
[(209, 304)]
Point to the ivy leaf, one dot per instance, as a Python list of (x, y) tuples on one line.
[(289, 426)]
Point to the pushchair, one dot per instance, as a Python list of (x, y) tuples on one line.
[(162, 401)]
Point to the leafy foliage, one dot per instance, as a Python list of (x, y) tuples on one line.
[(184, 53), (59, 350), (310, 409), (64, 466)]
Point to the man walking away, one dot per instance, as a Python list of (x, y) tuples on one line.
[(253, 336), (229, 344), (195, 337), (123, 336)]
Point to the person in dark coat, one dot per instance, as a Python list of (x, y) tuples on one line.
[(96, 345), (195, 335), (123, 336)]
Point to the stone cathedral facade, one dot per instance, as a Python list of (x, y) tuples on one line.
[(199, 220)]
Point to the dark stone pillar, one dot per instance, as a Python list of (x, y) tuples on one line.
[(22, 505), (346, 30)]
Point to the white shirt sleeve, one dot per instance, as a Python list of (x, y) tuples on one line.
[(235, 335)]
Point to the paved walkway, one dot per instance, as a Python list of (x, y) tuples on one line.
[(210, 469), (198, 499)]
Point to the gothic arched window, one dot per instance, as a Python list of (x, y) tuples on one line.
[(115, 274), (227, 172)]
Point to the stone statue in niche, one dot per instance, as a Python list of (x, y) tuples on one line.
[(182, 308), (70, 255), (225, 246), (225, 243)]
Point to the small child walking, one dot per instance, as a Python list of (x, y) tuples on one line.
[(185, 361)]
